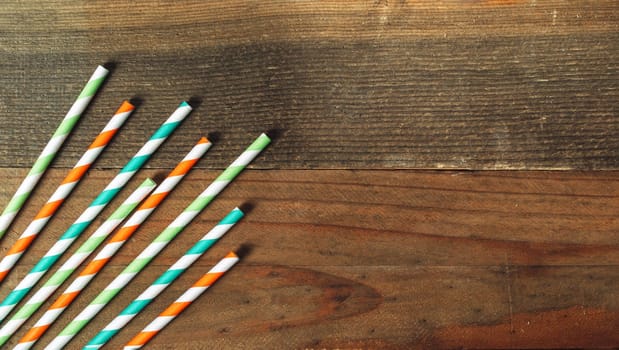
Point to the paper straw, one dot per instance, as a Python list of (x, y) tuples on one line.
[(113, 245), (95, 207), (52, 147), (123, 279), (164, 280), (173, 229), (64, 190), (81, 254), (172, 311)]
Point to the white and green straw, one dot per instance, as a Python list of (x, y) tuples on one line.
[(173, 229), (50, 150), (81, 254), (164, 280), (95, 207)]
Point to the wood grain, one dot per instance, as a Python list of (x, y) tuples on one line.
[(360, 259), (368, 84), (349, 247)]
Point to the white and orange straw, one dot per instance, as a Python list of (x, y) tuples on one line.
[(172, 311), (62, 192)]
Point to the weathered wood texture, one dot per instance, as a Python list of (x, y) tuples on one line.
[(372, 84), (357, 259), (363, 257)]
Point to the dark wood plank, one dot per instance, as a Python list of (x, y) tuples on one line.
[(382, 84), (377, 260)]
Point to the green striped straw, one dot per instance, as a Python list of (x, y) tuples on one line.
[(95, 207), (52, 147), (81, 254), (165, 237), (164, 280)]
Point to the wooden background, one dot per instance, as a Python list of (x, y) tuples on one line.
[(445, 173)]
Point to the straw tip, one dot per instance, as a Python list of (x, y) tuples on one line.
[(203, 139), (126, 106), (185, 104), (101, 70), (149, 182), (232, 255)]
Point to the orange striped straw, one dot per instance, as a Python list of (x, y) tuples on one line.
[(113, 245), (172, 311), (65, 188)]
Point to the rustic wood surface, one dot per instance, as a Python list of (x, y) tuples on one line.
[(379, 259), (373, 84), (378, 218)]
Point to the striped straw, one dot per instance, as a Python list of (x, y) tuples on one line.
[(113, 245), (173, 229), (164, 280), (63, 273), (172, 311), (95, 207), (50, 150), (64, 190)]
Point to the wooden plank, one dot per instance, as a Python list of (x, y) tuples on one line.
[(377, 259), (439, 218), (385, 84), (389, 307)]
